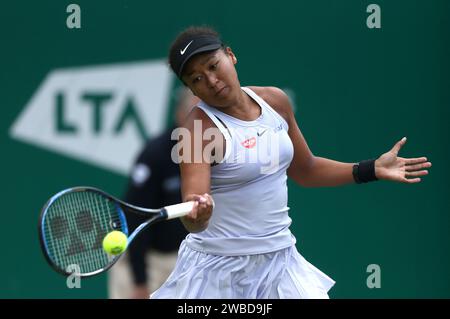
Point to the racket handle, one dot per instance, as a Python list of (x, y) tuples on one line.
[(179, 210)]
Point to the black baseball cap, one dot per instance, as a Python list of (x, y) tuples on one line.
[(190, 47)]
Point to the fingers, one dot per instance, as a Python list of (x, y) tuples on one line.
[(418, 160), (194, 212), (202, 209), (415, 167), (200, 199), (210, 200), (399, 145), (414, 161), (204, 201), (417, 173), (412, 180)]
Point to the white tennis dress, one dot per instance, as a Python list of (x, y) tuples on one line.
[(247, 251)]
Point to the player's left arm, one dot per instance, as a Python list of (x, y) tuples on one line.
[(306, 169), (312, 171)]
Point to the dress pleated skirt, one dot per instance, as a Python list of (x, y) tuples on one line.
[(283, 274)]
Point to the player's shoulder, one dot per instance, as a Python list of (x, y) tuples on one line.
[(197, 114), (276, 98)]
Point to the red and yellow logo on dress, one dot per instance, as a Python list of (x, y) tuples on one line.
[(249, 143)]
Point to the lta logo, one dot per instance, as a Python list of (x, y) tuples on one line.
[(98, 114)]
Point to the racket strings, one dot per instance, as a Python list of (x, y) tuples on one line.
[(74, 227)]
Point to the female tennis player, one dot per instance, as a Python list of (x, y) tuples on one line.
[(243, 248)]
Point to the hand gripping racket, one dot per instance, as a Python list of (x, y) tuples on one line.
[(74, 222)]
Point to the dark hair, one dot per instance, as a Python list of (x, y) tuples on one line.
[(189, 33)]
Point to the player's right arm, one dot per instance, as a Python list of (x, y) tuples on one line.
[(195, 171)]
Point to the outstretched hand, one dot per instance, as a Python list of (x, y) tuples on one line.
[(393, 168)]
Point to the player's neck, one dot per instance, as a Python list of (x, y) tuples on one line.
[(244, 108)]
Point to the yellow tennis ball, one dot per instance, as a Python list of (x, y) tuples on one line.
[(115, 242)]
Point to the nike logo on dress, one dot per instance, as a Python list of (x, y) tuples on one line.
[(259, 134), (184, 50)]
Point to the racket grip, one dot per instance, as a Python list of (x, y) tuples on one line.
[(179, 210)]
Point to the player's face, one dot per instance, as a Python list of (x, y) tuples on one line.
[(213, 78)]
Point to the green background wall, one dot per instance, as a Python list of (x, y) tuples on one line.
[(357, 91)]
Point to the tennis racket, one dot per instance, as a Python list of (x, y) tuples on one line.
[(73, 223)]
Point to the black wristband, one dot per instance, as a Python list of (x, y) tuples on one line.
[(355, 173), (364, 171)]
